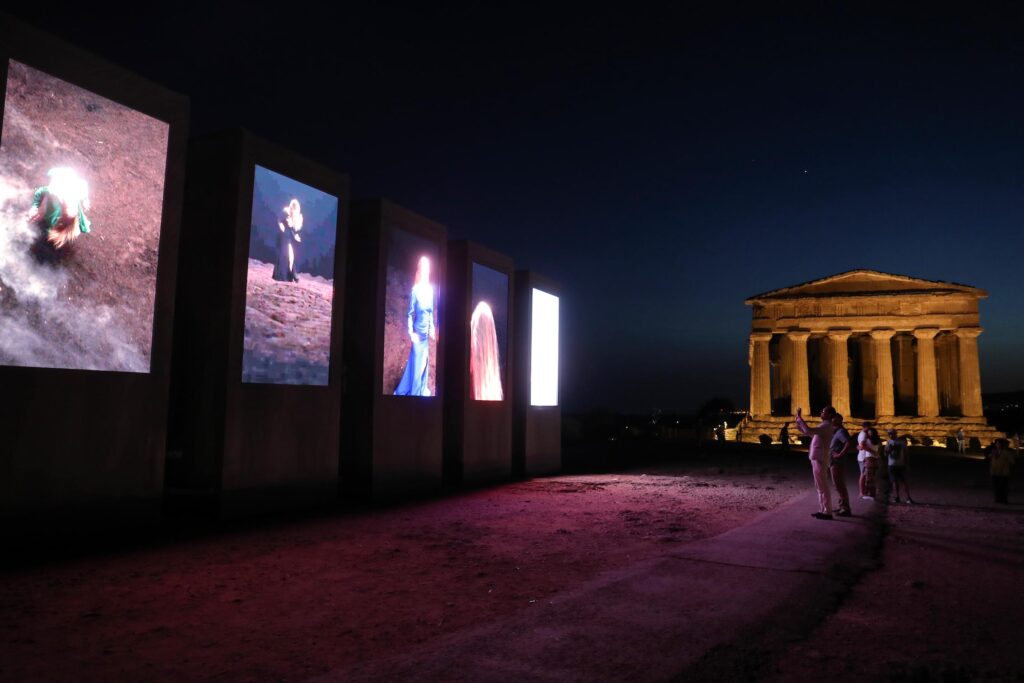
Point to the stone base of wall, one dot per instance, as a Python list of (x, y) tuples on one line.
[(930, 431)]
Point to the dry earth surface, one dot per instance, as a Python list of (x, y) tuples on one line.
[(293, 601), (947, 602), (287, 327), (296, 600), (90, 304)]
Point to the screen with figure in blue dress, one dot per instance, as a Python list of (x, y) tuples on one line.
[(488, 334), (289, 289), (411, 325), (81, 210), (544, 349)]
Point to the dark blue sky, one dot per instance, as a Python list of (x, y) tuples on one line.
[(271, 193), (662, 164)]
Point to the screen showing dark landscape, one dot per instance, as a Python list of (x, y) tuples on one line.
[(488, 334), (81, 202), (411, 325), (544, 350), (289, 290)]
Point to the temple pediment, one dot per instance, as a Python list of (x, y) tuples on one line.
[(866, 283)]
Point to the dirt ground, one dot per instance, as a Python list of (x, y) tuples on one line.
[(90, 304), (287, 327), (946, 604), (296, 600)]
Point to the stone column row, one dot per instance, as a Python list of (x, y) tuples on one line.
[(760, 374), (839, 382), (839, 370), (927, 373), (885, 404), (970, 371)]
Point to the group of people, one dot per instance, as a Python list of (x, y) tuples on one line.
[(830, 449)]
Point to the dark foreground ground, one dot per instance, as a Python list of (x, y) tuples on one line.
[(329, 598), (947, 602)]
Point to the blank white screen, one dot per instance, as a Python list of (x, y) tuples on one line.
[(544, 350)]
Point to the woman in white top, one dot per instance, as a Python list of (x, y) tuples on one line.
[(868, 447)]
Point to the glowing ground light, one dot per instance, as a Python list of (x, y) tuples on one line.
[(544, 350)]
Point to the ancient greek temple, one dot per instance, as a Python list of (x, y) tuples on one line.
[(896, 350)]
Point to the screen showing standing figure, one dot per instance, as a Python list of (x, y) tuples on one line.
[(488, 334), (289, 289), (544, 350), (81, 205), (411, 325)]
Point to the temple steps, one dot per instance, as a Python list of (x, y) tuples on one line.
[(937, 429)]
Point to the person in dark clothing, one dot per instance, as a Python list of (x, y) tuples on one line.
[(840, 446), (784, 436)]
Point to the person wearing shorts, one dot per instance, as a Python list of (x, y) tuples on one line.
[(896, 451)]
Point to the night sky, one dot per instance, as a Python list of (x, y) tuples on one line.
[(662, 164)]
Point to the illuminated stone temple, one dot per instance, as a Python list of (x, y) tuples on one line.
[(899, 351)]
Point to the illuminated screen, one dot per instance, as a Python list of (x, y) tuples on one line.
[(411, 325), (81, 199), (488, 334), (290, 284), (544, 350)]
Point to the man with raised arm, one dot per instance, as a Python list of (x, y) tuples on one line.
[(818, 454)]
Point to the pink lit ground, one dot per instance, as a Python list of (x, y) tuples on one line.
[(707, 570)]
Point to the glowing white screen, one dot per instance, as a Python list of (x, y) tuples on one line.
[(544, 350)]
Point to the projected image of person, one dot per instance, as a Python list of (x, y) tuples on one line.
[(488, 333), (287, 242), (412, 315), (81, 212), (484, 357), (415, 379), (289, 289), (60, 207)]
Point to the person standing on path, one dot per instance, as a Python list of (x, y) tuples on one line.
[(821, 438), (784, 437), (961, 440), (840, 444), (862, 438), (1001, 459), (896, 451), (868, 445)]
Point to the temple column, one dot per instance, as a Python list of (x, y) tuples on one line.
[(904, 372), (882, 351), (927, 373), (839, 370), (970, 373), (799, 384), (760, 374)]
